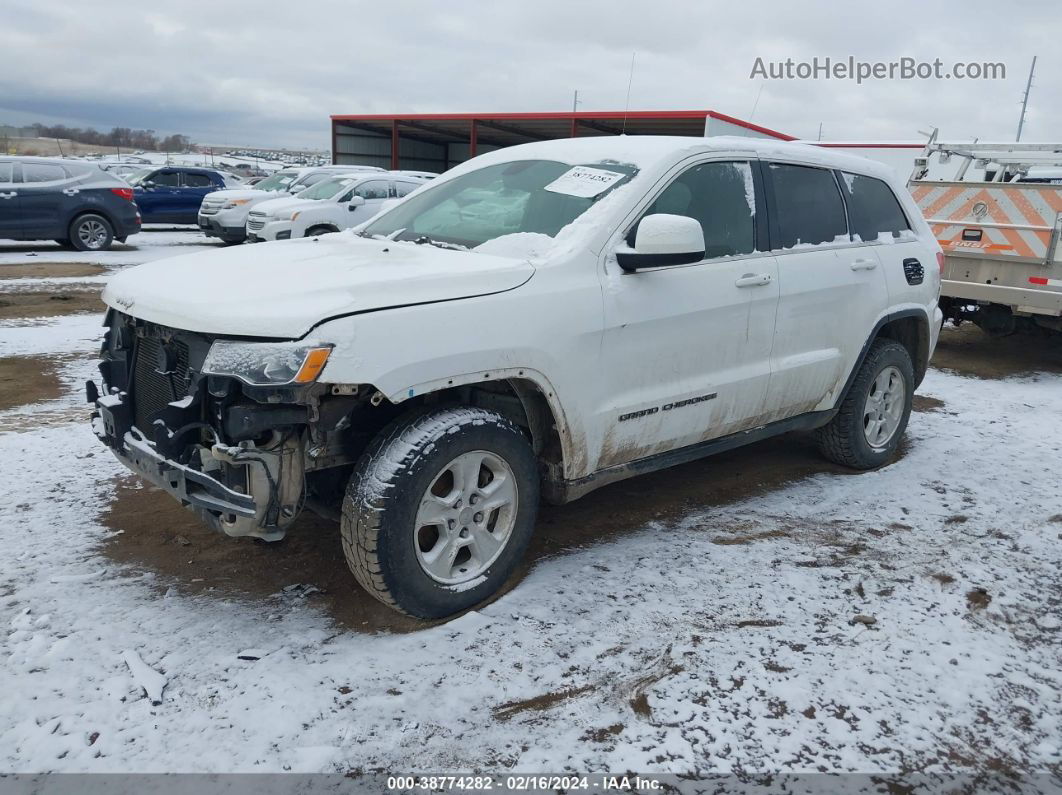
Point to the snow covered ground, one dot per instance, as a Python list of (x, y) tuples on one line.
[(155, 241), (900, 620)]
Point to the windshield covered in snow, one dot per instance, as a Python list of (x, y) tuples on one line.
[(525, 196), (326, 189), (278, 181)]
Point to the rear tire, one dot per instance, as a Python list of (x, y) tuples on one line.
[(319, 230), (867, 429), (91, 232), (440, 509)]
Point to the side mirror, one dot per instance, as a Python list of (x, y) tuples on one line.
[(662, 240), (355, 203), (148, 184)]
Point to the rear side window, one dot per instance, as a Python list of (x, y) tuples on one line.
[(42, 172), (873, 208), (6, 172), (377, 189), (168, 179), (197, 181), (720, 196), (808, 204), (402, 188)]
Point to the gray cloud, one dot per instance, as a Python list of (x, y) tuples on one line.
[(252, 72)]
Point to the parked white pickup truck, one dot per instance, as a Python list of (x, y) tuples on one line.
[(333, 205), (543, 319)]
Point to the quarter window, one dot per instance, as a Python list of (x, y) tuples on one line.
[(873, 209), (720, 196), (808, 205), (42, 172)]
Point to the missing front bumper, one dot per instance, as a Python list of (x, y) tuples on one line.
[(273, 476)]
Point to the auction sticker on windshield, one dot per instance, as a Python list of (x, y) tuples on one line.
[(584, 182)]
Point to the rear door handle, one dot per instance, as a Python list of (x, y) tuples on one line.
[(754, 280), (10, 195), (864, 265)]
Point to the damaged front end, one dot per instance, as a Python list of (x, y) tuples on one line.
[(228, 427)]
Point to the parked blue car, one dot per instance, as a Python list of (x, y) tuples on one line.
[(172, 194)]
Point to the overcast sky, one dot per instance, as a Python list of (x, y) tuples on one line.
[(270, 73)]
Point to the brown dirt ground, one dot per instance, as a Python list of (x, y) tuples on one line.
[(969, 351), (41, 270), (28, 379), (50, 304)]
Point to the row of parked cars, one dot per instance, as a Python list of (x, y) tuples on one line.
[(77, 204), (304, 202)]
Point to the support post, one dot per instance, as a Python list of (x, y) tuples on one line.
[(394, 144), (472, 140)]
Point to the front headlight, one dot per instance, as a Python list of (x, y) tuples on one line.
[(233, 203), (268, 363)]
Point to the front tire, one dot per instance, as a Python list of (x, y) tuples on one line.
[(440, 509), (91, 232), (866, 431)]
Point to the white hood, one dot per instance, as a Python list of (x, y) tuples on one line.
[(278, 206), (284, 289), (239, 193)]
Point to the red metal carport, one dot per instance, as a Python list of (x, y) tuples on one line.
[(437, 141)]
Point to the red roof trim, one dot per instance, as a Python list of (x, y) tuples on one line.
[(564, 116), (865, 146), (750, 126)]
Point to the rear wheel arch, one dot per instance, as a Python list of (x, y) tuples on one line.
[(81, 216), (321, 229), (910, 329)]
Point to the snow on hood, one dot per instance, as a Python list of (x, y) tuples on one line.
[(284, 289)]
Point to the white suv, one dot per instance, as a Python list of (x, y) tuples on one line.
[(330, 206), (541, 320), (223, 213)]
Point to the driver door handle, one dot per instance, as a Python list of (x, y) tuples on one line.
[(864, 265), (10, 195), (754, 280), (71, 191)]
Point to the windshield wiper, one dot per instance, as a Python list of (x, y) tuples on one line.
[(439, 243)]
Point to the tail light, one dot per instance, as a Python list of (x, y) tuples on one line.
[(940, 262), (125, 193)]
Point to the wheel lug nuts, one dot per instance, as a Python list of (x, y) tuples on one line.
[(473, 500), (464, 532), (477, 518), (450, 523)]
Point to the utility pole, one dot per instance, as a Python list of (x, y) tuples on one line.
[(1025, 99), (575, 101), (820, 132)]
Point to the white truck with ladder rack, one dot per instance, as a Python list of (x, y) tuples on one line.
[(998, 220)]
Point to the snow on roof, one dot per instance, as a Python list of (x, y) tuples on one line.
[(650, 151)]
